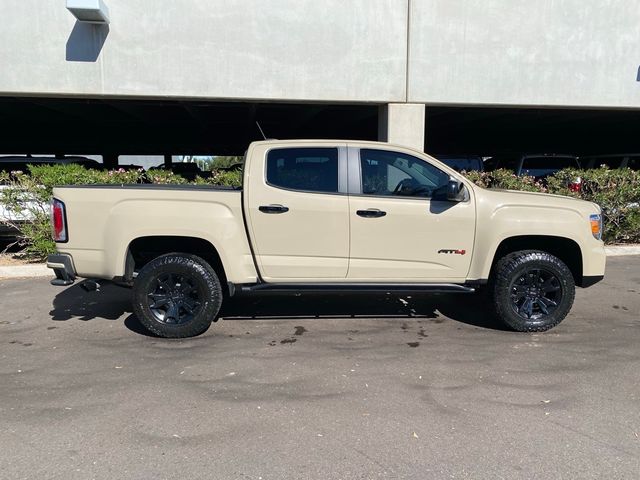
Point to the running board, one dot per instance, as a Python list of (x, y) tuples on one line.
[(248, 289)]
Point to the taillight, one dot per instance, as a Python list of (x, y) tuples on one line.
[(58, 221), (576, 185)]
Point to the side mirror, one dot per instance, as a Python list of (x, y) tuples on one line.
[(455, 191)]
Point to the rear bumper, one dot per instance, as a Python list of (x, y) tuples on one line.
[(62, 265)]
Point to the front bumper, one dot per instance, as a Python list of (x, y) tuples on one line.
[(62, 265), (590, 280)]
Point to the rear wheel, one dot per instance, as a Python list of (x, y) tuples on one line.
[(532, 291), (177, 295)]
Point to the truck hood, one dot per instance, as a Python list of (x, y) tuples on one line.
[(513, 197)]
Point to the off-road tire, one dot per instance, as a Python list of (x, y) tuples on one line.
[(185, 271), (510, 278)]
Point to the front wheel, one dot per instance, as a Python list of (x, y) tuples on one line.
[(177, 296), (532, 291)]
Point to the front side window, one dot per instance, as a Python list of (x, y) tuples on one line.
[(393, 173), (306, 169)]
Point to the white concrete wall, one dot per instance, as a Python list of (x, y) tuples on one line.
[(525, 52), (575, 53), (227, 49)]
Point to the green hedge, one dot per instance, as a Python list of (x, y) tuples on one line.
[(30, 195), (616, 191)]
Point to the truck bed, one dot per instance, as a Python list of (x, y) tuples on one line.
[(104, 219)]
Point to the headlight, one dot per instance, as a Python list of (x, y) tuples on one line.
[(596, 226)]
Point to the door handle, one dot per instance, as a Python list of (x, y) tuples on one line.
[(273, 209), (371, 213)]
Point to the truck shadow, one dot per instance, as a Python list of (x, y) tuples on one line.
[(111, 302), (468, 309)]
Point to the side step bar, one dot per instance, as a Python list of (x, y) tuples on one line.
[(248, 289)]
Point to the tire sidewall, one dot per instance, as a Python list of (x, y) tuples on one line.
[(203, 276), (514, 266)]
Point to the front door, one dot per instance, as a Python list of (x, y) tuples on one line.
[(402, 227), (299, 213)]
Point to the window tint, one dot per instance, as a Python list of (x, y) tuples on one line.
[(394, 173), (466, 164), (500, 162), (633, 163), (611, 162), (543, 166), (308, 169)]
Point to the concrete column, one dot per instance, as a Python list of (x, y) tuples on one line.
[(402, 124)]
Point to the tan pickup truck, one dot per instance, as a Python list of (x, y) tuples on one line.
[(321, 215)]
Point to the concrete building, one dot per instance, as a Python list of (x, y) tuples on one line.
[(193, 76)]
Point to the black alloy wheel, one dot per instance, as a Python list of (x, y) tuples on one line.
[(177, 295), (536, 293), (175, 298), (531, 290)]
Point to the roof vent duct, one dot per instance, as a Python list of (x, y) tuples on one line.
[(89, 11)]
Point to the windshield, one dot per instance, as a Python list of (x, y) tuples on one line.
[(468, 164), (543, 166)]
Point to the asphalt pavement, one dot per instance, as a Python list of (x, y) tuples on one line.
[(362, 387)]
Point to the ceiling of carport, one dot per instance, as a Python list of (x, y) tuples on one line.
[(117, 126), (156, 127), (487, 131)]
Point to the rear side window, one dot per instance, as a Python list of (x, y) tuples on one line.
[(306, 169)]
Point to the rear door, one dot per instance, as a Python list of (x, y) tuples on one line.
[(298, 211), (402, 227)]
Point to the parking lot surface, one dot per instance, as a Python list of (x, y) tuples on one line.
[(378, 386)]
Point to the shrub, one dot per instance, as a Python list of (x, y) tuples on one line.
[(505, 180), (616, 191), (26, 209), (223, 178), (165, 177)]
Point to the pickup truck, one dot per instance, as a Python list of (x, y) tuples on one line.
[(330, 216)]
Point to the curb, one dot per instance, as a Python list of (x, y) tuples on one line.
[(620, 250), (41, 270), (25, 271)]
